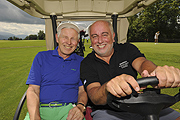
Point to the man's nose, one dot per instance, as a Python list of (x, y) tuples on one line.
[(68, 41), (100, 40)]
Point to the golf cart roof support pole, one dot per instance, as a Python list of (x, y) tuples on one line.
[(114, 23), (54, 25), (81, 44)]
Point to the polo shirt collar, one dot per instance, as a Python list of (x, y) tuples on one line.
[(71, 57)]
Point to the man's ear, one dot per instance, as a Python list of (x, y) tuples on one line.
[(57, 38), (113, 37)]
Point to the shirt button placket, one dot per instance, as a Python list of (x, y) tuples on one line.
[(63, 64)]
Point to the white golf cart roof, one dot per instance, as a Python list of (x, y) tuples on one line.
[(83, 10)]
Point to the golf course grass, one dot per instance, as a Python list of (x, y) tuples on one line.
[(17, 56)]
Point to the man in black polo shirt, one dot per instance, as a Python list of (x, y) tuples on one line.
[(110, 68)]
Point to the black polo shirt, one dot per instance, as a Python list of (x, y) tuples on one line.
[(94, 69)]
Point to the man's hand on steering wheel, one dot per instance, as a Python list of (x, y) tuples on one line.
[(120, 85), (168, 76)]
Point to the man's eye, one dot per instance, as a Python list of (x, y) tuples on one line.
[(104, 35), (73, 39), (64, 37), (94, 36)]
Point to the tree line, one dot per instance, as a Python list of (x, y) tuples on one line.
[(163, 16), (39, 36)]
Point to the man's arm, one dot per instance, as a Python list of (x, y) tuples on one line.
[(117, 86), (33, 102), (76, 113), (168, 76), (82, 98), (97, 93), (140, 64)]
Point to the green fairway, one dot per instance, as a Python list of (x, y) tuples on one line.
[(16, 59), (17, 56), (162, 53)]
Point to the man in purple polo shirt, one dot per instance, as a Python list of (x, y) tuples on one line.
[(54, 80)]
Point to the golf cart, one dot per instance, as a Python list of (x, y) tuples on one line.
[(148, 104), (57, 11)]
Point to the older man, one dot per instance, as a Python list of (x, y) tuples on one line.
[(54, 80), (112, 68)]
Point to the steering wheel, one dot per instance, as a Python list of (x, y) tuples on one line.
[(148, 104)]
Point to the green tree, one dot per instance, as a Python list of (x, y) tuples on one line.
[(32, 37), (160, 16), (10, 38), (14, 38), (41, 35), (26, 38)]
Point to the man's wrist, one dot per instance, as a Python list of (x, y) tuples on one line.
[(81, 106)]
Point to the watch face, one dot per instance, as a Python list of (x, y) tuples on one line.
[(84, 109)]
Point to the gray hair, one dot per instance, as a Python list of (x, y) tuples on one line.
[(109, 24), (67, 25)]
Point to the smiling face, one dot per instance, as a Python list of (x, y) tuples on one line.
[(68, 41), (102, 38)]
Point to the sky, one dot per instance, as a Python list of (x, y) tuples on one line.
[(15, 21)]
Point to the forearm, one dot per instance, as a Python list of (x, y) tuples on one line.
[(98, 95), (33, 104), (82, 98), (141, 64), (148, 65)]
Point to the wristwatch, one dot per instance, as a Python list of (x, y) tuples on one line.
[(82, 105)]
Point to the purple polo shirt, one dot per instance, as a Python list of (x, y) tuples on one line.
[(58, 79)]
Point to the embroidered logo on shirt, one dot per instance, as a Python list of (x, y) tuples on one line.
[(123, 64), (73, 69)]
